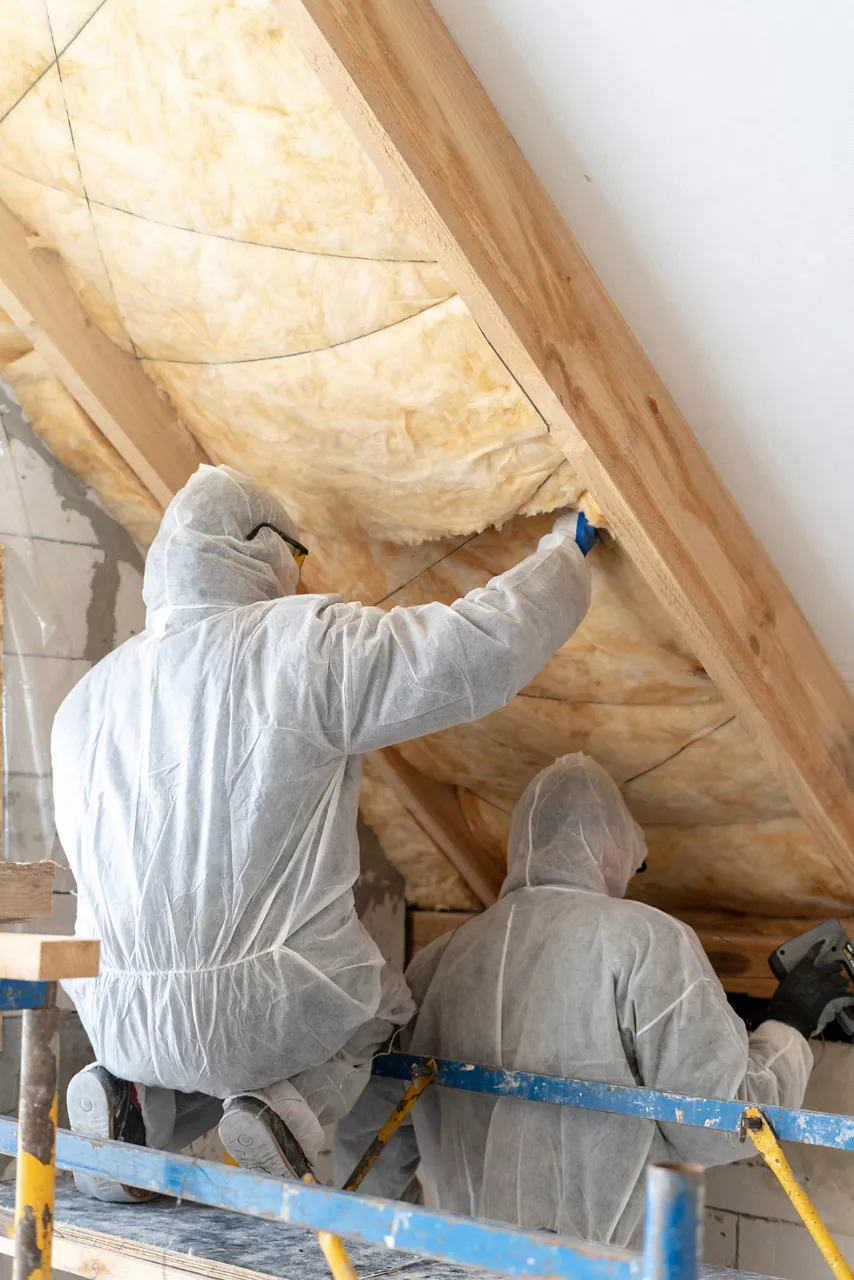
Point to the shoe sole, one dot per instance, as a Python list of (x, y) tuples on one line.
[(249, 1140), (90, 1113)]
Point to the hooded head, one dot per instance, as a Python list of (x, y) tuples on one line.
[(572, 828), (201, 559)]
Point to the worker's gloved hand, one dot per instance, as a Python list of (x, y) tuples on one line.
[(804, 995), (576, 524)]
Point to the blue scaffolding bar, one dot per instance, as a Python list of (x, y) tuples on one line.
[(674, 1192), (493, 1246), (15, 995), (816, 1128), (673, 1224)]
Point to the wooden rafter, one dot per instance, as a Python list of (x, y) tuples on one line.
[(436, 809), (415, 104), (110, 384)]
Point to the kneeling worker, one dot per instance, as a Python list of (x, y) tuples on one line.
[(206, 781), (564, 977)]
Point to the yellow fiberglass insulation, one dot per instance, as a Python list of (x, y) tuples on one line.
[(220, 222)]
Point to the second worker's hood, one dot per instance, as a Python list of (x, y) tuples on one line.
[(572, 829)]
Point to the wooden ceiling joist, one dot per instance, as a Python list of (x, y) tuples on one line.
[(106, 381), (415, 104)]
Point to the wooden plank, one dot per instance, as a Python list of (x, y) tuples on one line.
[(107, 382), (41, 957), (164, 1240), (26, 889), (104, 1256), (81, 1251), (435, 807), (737, 946), (418, 109)]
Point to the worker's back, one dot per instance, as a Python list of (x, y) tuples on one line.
[(206, 787), (562, 978), (207, 826)]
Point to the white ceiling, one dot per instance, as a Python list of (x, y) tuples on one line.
[(703, 155)]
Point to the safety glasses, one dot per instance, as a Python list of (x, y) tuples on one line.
[(298, 551)]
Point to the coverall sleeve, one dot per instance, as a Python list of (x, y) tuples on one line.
[(687, 1039), (416, 670)]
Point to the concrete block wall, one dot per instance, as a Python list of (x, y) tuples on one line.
[(73, 592)]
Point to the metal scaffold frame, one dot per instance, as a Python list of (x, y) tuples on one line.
[(674, 1193)]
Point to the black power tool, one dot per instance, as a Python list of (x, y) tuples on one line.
[(837, 946)]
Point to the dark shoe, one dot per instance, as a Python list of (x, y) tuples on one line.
[(100, 1106), (258, 1139)]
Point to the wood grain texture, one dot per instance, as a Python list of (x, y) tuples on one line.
[(26, 890), (436, 808), (737, 946), (395, 73), (40, 957), (108, 383)]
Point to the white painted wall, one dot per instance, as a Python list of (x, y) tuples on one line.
[(703, 155)]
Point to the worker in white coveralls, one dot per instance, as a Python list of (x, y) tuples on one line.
[(206, 787), (564, 976)]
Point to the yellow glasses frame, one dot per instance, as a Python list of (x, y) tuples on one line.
[(298, 551)]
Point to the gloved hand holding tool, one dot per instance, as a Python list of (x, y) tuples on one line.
[(804, 994)]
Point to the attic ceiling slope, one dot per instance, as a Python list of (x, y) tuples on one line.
[(221, 225)]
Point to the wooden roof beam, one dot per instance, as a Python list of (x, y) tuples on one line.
[(436, 808), (110, 384), (415, 104)]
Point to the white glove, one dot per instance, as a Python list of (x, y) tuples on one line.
[(577, 526)]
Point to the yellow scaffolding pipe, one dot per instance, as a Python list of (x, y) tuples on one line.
[(765, 1141), (332, 1246), (35, 1180)]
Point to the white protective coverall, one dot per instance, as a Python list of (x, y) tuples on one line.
[(565, 977), (206, 781)]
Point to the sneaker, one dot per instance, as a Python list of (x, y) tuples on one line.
[(258, 1139), (100, 1106)]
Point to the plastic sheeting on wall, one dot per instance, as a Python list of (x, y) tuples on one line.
[(32, 628)]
